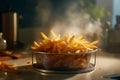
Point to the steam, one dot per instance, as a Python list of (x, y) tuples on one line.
[(78, 23), (73, 21)]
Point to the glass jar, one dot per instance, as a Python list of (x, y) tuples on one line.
[(3, 43)]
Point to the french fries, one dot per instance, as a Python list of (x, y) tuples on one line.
[(67, 44), (6, 67)]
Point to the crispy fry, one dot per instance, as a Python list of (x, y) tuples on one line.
[(71, 39), (66, 44), (43, 35), (95, 42), (36, 44), (53, 34)]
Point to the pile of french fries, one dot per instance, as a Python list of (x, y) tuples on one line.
[(67, 44)]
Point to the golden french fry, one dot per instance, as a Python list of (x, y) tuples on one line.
[(53, 34), (95, 42), (43, 35), (36, 44), (81, 37), (71, 39), (66, 44), (58, 37)]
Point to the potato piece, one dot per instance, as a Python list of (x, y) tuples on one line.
[(66, 44)]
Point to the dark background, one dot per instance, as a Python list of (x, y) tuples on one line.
[(26, 9)]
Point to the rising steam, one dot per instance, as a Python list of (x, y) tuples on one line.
[(73, 21)]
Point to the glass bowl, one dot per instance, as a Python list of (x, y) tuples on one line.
[(63, 61)]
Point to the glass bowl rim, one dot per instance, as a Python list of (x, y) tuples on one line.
[(45, 53)]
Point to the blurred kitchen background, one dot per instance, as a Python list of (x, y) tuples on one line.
[(21, 21)]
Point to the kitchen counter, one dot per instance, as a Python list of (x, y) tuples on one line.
[(107, 65)]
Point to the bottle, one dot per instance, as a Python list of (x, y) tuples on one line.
[(3, 43)]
